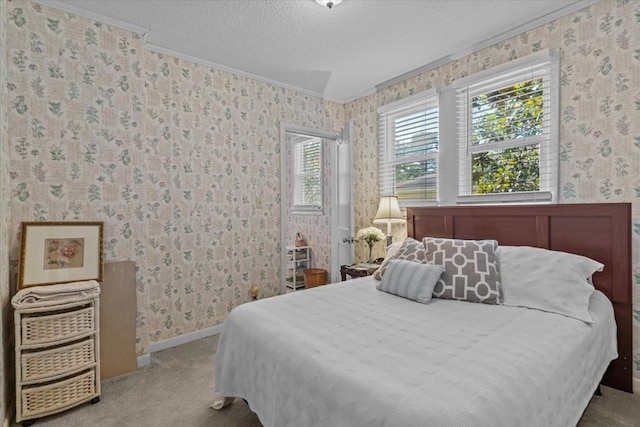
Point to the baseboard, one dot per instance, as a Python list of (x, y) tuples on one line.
[(145, 359), (636, 385)]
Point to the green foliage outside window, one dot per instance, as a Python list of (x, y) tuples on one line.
[(507, 114), (311, 194)]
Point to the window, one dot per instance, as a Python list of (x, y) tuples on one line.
[(491, 137), (507, 132), (408, 141), (306, 154)]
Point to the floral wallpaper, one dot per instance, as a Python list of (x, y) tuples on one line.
[(5, 313), (599, 123), (180, 161)]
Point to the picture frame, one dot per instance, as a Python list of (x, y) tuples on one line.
[(60, 252)]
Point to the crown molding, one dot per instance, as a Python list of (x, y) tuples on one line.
[(144, 32), (505, 35), (66, 7)]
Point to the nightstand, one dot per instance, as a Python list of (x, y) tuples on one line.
[(359, 270)]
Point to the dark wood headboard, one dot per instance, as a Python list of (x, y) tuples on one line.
[(601, 231)]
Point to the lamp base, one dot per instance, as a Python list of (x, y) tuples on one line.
[(389, 240)]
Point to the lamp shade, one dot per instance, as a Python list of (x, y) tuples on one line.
[(389, 211)]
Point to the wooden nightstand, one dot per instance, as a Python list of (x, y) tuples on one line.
[(359, 270)]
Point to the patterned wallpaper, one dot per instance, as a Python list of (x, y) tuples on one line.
[(181, 162), (173, 155), (600, 113), (5, 343)]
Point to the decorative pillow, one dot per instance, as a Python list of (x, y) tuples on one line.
[(411, 280), (470, 269), (553, 281), (391, 250), (409, 250)]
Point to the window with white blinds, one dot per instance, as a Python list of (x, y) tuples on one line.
[(306, 154), (408, 143), (508, 132)]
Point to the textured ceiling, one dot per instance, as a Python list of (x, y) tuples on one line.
[(340, 54)]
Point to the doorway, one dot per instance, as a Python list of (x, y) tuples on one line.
[(322, 226)]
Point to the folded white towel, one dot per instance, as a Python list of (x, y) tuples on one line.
[(41, 296)]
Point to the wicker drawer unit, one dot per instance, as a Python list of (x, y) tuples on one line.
[(60, 395), (57, 361), (57, 358), (57, 328)]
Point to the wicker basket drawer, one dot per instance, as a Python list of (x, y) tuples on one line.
[(57, 327), (58, 395), (57, 361)]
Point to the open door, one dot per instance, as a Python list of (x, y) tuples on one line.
[(342, 236), (292, 220)]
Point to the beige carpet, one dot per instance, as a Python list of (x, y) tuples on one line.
[(177, 390)]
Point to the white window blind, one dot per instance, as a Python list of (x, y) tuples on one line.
[(507, 132), (307, 180), (408, 143)]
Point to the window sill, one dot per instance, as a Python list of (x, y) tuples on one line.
[(497, 198), (314, 212)]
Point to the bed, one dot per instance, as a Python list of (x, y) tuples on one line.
[(348, 354)]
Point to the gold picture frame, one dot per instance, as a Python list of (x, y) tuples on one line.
[(60, 252)]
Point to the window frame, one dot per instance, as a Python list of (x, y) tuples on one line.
[(450, 159), (387, 114), (544, 65), (297, 176)]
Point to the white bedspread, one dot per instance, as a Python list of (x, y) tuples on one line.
[(348, 355)]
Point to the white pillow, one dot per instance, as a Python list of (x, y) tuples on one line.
[(410, 279), (547, 280)]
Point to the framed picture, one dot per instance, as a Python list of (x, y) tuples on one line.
[(60, 252)]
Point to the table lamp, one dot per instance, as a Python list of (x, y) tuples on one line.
[(389, 212)]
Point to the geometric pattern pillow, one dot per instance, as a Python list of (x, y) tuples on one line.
[(470, 269), (409, 250)]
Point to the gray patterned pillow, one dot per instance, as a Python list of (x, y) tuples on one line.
[(409, 250), (470, 269), (412, 280)]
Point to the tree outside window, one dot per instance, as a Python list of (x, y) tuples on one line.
[(506, 119)]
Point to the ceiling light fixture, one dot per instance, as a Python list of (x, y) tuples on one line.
[(329, 3)]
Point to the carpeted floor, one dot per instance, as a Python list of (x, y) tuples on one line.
[(177, 390)]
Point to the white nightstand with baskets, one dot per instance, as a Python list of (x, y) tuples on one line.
[(57, 349)]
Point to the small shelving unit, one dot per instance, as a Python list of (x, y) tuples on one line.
[(298, 258)]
